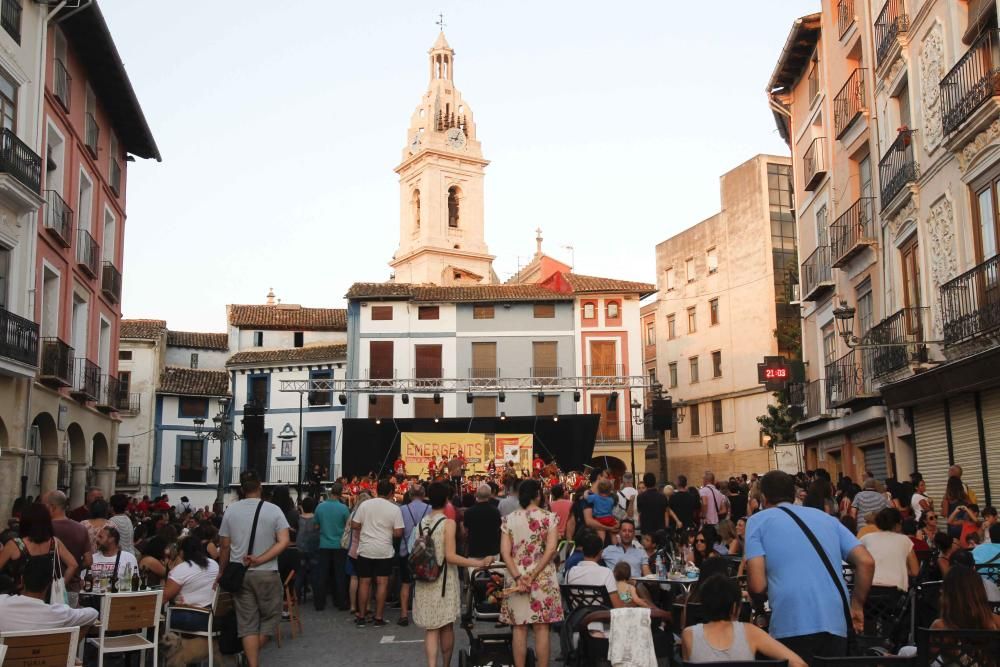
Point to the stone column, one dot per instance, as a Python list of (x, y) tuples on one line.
[(50, 473), (11, 467), (78, 484), (104, 478)]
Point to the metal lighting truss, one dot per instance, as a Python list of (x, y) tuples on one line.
[(462, 385)]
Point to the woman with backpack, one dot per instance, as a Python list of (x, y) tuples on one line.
[(434, 562)]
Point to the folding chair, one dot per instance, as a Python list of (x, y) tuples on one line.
[(130, 614), (39, 648), (291, 606), (965, 648), (222, 605)]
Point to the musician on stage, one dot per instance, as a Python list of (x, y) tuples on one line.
[(431, 469), (399, 467)]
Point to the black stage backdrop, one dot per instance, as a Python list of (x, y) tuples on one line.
[(368, 446)]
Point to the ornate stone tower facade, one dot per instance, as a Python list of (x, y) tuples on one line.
[(441, 232)]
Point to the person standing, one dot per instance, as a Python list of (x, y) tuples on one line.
[(379, 521), (509, 502), (628, 492), (120, 520), (82, 512), (868, 501), (73, 535), (331, 516), (456, 468), (258, 603), (651, 506), (956, 471), (413, 512), (714, 504), (481, 523), (683, 504)]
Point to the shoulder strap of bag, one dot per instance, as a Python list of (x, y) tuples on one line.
[(253, 528), (118, 559), (826, 562), (57, 572)]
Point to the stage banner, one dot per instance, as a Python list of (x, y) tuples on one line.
[(478, 449)]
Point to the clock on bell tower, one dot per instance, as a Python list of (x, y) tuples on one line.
[(441, 231)]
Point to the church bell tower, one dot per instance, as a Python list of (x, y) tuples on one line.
[(441, 232)]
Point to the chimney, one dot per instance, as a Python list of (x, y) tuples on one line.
[(270, 296)]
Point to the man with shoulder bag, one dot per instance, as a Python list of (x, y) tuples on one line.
[(253, 534)]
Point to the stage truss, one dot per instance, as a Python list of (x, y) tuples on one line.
[(479, 385)]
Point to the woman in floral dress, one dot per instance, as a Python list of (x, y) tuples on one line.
[(528, 541)]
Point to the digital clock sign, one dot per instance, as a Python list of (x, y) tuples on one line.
[(774, 373)]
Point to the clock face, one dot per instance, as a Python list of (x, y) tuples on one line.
[(415, 143), (455, 138)]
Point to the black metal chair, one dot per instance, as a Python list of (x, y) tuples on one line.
[(575, 596), (592, 651), (958, 648), (989, 571), (866, 661), (926, 607), (886, 620)]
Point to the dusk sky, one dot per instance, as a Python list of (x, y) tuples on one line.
[(607, 125)]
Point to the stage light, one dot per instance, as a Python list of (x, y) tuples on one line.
[(372, 399), (436, 420), (502, 397), (541, 397), (378, 420), (468, 398), (406, 399), (503, 416), (576, 397), (437, 398), (343, 399), (555, 418)]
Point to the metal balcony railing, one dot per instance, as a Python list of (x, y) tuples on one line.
[(816, 274), (88, 253), (845, 16), (62, 83), (848, 380), (129, 403), (18, 160), (111, 282), (815, 396), (108, 393), (603, 370), (92, 134), (898, 338), (10, 18), (973, 80), (58, 218), (427, 377), (18, 338), (189, 474), (56, 366), (814, 164), (852, 231), (484, 377), (379, 376), (276, 474), (87, 380), (115, 177), (612, 430), (850, 102), (970, 303), (898, 167), (128, 476), (546, 374), (891, 21)]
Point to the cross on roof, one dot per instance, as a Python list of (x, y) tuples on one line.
[(440, 22)]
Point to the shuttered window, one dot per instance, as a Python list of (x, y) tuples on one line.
[(875, 461), (482, 312), (549, 406), (545, 310), (544, 359), (381, 408), (428, 313), (381, 312), (932, 447), (965, 442), (380, 359), (428, 361), (484, 406), (484, 360), (426, 408)]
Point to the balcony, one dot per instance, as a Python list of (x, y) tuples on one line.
[(92, 134), (816, 275), (129, 404), (901, 339), (276, 474), (973, 81), (108, 393), (898, 167), (56, 363), (380, 376), (115, 177), (815, 400), (814, 163), (87, 381), (845, 16), (970, 303), (847, 380), (852, 232), (891, 21), (87, 253), (189, 474), (10, 18), (58, 218), (22, 163), (603, 370), (18, 339), (427, 377), (111, 282), (128, 477), (849, 103), (62, 84), (484, 378), (545, 375)]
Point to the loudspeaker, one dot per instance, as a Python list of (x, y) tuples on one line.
[(663, 414)]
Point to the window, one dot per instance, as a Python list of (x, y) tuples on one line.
[(692, 320), (544, 359), (319, 447), (548, 407), (482, 312), (194, 360), (454, 199), (381, 408), (545, 311), (320, 398), (85, 203), (124, 384), (193, 407), (650, 334), (589, 311), (121, 462), (190, 460), (4, 275), (484, 360), (428, 312), (672, 370), (712, 260), (693, 363), (713, 311), (124, 355), (298, 339), (257, 390), (428, 363), (903, 105), (8, 102), (613, 312), (671, 327), (258, 339), (380, 360), (484, 406), (911, 273), (670, 279), (108, 237), (866, 313), (829, 344), (716, 416), (694, 419), (986, 222), (673, 424), (426, 408), (381, 312), (689, 269), (865, 176), (822, 227), (717, 364)]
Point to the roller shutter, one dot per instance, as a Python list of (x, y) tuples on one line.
[(932, 447), (875, 461), (990, 404), (965, 442)]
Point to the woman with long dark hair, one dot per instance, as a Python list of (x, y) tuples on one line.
[(954, 497), (704, 545), (191, 583), (37, 540), (964, 605)]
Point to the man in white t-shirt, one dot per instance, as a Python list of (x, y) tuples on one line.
[(109, 553), (589, 572), (380, 521), (627, 493)]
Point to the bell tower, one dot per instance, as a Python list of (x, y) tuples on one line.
[(441, 231)]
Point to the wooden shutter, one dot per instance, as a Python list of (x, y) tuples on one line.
[(965, 442), (484, 360), (380, 359), (427, 361), (990, 407), (426, 408), (544, 359), (603, 358), (482, 311), (545, 310), (381, 408), (428, 313), (484, 406), (932, 446), (381, 312), (549, 406)]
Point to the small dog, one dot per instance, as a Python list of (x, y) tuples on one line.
[(180, 651)]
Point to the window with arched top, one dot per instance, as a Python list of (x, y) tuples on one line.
[(454, 196), (613, 312), (415, 208)]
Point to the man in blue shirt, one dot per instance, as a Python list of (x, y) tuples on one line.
[(331, 517), (807, 614), (989, 552), (413, 512), (627, 551)]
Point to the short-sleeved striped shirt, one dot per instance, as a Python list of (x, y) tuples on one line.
[(867, 502)]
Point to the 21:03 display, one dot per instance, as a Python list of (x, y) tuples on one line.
[(775, 373)]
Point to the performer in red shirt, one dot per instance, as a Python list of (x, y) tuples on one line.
[(431, 467), (537, 465), (399, 467)]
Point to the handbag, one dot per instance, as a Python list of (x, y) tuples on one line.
[(852, 637), (346, 535), (231, 580), (59, 594)]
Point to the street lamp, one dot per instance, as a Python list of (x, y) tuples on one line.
[(222, 430), (844, 315), (680, 413), (637, 419)]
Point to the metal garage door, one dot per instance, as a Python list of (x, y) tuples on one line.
[(875, 461), (990, 404), (932, 447), (965, 442)]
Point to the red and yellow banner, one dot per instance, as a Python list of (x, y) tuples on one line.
[(417, 449)]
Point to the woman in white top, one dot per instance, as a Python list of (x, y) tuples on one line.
[(919, 502), (895, 561), (191, 584)]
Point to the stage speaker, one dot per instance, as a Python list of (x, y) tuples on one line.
[(663, 414)]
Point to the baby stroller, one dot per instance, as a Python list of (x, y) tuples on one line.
[(482, 603)]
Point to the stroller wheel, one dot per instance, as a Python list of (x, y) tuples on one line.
[(463, 658)]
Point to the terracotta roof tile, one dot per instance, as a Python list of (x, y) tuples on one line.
[(146, 329), (454, 293), (193, 382), (287, 317), (198, 340), (308, 354), (588, 284)]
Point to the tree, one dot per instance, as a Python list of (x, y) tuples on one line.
[(778, 424)]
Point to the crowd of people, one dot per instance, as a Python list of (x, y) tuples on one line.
[(365, 546)]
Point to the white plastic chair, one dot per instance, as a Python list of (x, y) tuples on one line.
[(39, 648), (131, 614), (222, 604)]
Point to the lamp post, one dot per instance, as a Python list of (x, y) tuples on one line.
[(844, 315), (637, 420), (222, 430)]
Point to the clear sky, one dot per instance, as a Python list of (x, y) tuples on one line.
[(606, 124)]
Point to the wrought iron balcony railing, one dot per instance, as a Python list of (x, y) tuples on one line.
[(62, 83), (58, 218), (895, 340), (56, 362), (484, 377), (845, 16), (973, 80), (111, 282), (814, 164), (970, 303), (87, 380), (816, 274), (18, 338), (853, 231), (379, 376), (891, 21), (128, 476), (898, 167), (603, 370), (850, 102), (848, 380), (88, 253), (108, 393), (815, 400), (18, 160), (92, 134), (115, 177), (427, 377), (275, 474), (129, 403), (10, 18), (190, 474)]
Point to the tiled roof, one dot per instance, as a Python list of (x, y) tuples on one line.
[(146, 329), (287, 317), (454, 293), (308, 354), (198, 340), (193, 382), (589, 284)]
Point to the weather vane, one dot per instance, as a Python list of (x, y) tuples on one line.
[(440, 22)]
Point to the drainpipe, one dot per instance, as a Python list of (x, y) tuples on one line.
[(83, 5)]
